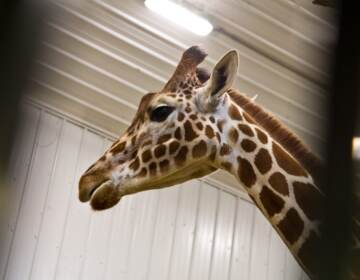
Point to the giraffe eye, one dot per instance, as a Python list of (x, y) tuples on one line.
[(161, 113)]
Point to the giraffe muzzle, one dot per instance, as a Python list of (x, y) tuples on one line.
[(88, 184)]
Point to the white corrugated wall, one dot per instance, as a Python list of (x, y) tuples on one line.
[(193, 231)]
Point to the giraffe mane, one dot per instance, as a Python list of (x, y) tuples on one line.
[(280, 133)]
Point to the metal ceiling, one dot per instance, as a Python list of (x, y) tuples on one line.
[(99, 57)]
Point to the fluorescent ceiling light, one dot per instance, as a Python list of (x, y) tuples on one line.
[(356, 147), (181, 16)]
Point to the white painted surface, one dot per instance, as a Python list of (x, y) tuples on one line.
[(193, 231)]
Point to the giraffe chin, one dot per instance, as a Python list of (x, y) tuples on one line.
[(105, 196)]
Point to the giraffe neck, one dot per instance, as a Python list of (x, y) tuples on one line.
[(279, 186)]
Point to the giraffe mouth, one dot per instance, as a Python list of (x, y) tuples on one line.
[(96, 187), (104, 196), (86, 193)]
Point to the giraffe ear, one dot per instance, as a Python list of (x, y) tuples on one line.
[(223, 75)]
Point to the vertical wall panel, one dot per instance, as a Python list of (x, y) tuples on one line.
[(184, 231), (193, 231), (164, 234), (20, 162), (221, 253), (54, 219), (260, 248), (121, 239), (142, 237), (206, 220), (76, 229), (277, 258), (35, 195), (241, 251)]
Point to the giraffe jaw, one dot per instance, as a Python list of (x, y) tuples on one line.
[(108, 194)]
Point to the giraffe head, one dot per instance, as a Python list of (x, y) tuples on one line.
[(173, 136)]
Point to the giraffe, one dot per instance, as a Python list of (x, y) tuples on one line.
[(197, 124)]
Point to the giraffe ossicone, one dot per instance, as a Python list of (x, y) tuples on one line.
[(197, 124)]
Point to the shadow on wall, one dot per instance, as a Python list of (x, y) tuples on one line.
[(20, 29)]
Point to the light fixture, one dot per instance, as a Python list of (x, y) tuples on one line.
[(356, 148), (181, 16)]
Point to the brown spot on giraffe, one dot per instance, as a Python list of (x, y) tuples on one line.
[(134, 154), (164, 165), (173, 147), (181, 117), (212, 119), (233, 135), (190, 133), (146, 156), (199, 149), (181, 155), (225, 149), (218, 137), (142, 172), (286, 162), (246, 172), (234, 113), (291, 226), (160, 151), (307, 252), (246, 129), (272, 203), (309, 199), (248, 145), (263, 161), (118, 148), (177, 133), (199, 125), (209, 132), (193, 117), (279, 183), (135, 164), (261, 135), (152, 168)]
